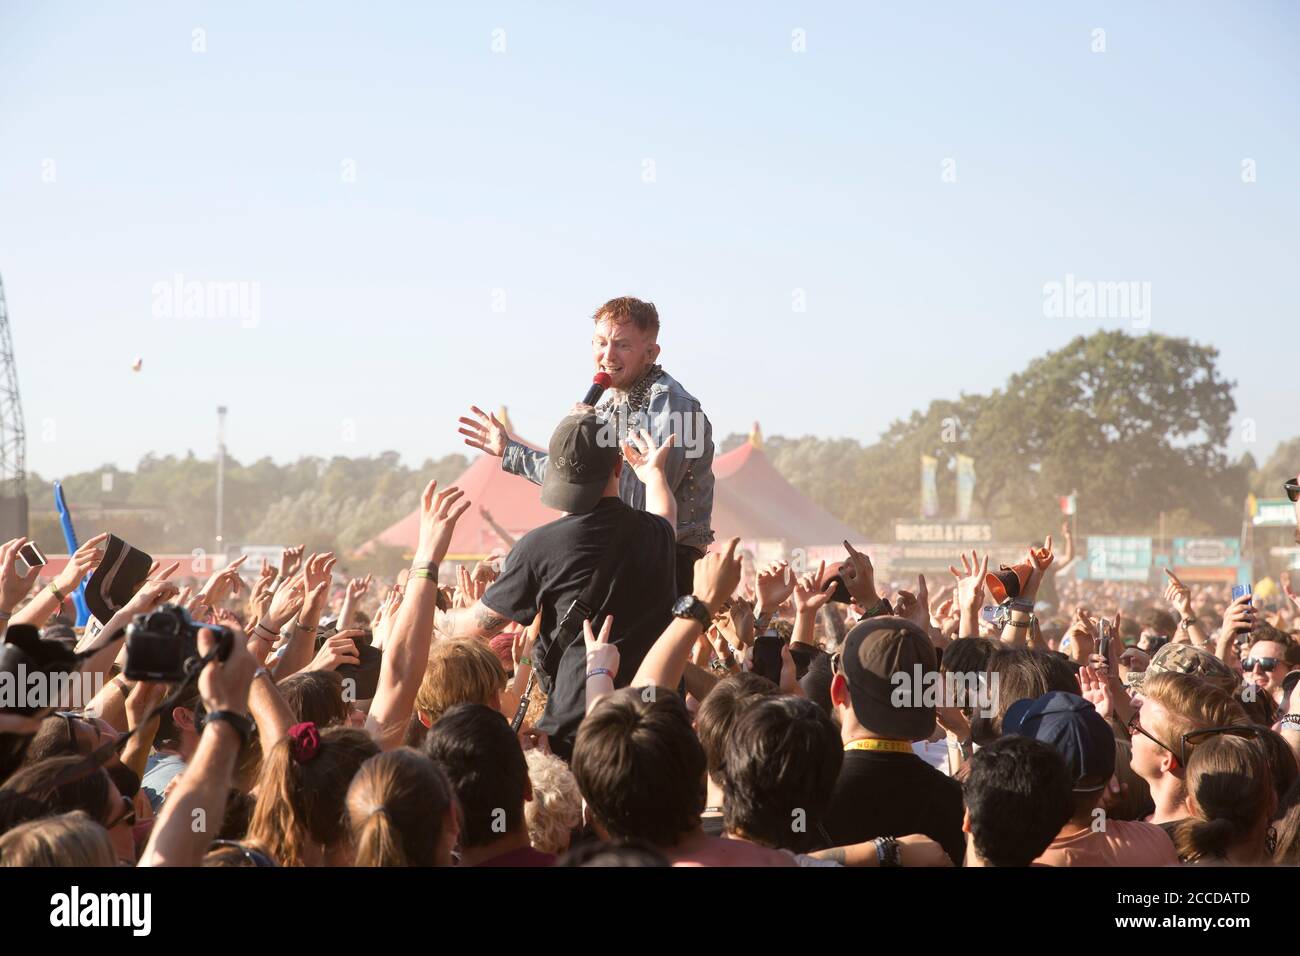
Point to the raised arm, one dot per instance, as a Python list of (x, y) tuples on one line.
[(648, 461), (716, 576), (406, 651), (192, 815), (50, 599)]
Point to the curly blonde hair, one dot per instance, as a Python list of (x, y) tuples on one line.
[(556, 807)]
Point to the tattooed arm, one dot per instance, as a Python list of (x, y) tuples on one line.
[(478, 621)]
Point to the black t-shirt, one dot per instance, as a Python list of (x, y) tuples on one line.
[(892, 794), (551, 566)]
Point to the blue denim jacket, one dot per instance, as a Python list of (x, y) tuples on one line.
[(670, 409)]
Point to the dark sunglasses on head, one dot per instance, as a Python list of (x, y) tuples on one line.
[(1268, 663), (1292, 490)]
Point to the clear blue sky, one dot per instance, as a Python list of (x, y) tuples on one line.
[(523, 171)]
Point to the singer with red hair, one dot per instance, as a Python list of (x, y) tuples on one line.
[(638, 395)]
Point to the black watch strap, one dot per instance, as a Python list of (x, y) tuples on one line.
[(242, 723), (689, 606)]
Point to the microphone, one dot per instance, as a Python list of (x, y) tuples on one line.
[(599, 382)]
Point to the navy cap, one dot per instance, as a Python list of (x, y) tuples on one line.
[(1074, 729)]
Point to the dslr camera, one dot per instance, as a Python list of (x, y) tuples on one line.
[(163, 645)]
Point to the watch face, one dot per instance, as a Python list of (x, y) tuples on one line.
[(690, 606)]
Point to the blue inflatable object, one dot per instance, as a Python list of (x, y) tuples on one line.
[(70, 538)]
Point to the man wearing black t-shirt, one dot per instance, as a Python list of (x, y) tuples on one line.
[(551, 566), (884, 789)]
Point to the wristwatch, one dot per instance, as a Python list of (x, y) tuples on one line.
[(689, 606)]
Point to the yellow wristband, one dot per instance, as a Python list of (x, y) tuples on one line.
[(423, 573)]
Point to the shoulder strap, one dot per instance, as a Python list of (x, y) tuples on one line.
[(600, 588)]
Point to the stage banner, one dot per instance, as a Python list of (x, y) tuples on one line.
[(929, 487), (965, 486)]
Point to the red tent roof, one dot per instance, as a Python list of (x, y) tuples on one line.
[(753, 501), (750, 500), (513, 502)]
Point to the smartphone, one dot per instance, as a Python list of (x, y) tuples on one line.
[(32, 555), (1240, 590), (1103, 644), (989, 614), (767, 657)]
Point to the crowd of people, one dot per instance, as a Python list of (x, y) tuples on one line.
[(604, 694), (375, 725)]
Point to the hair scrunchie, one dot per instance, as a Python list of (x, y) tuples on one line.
[(304, 742)]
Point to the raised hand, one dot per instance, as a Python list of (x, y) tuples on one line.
[(775, 584), (859, 577), (357, 587), (84, 560), (316, 572), (915, 607), (290, 560), (1286, 589), (1094, 689), (152, 595), (484, 432), (1238, 618), (338, 649), (717, 574), (736, 624), (13, 585), (1178, 595), (644, 455), (600, 652), (970, 583), (812, 591), (1039, 560), (224, 582), (1083, 636), (439, 512)]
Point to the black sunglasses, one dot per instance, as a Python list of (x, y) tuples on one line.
[(127, 815), (1292, 490), (1268, 663)]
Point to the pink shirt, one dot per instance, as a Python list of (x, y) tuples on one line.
[(1122, 843)]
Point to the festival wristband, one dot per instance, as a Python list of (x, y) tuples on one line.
[(599, 671), (424, 573), (525, 662), (58, 595)]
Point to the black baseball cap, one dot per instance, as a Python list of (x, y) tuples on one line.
[(583, 452)]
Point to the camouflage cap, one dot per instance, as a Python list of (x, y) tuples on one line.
[(1190, 660)]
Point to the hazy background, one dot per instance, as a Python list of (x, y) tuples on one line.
[(524, 171)]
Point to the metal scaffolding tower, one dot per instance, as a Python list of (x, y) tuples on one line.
[(13, 438)]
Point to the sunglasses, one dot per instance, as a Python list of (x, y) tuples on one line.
[(1292, 490), (1194, 737), (1267, 663), (127, 815), (252, 856)]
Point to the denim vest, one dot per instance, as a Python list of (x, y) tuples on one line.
[(669, 409)]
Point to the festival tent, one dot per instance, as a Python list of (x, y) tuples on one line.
[(750, 500)]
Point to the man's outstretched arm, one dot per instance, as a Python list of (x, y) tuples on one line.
[(478, 621)]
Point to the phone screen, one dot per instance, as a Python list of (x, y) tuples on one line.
[(767, 657), (32, 555)]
